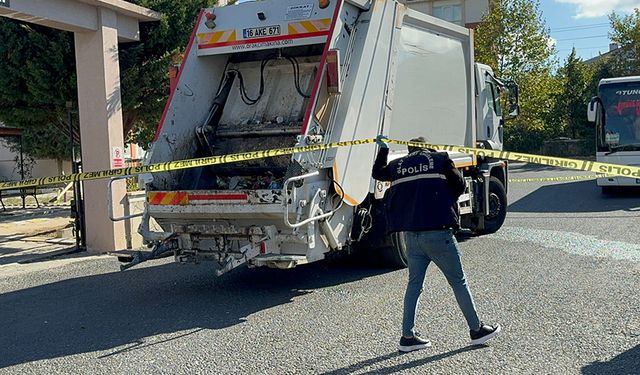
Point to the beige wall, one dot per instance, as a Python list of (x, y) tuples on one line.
[(101, 129), (10, 170)]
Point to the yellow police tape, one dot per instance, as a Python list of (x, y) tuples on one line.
[(555, 179), (581, 165)]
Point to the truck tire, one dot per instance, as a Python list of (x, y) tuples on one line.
[(395, 256), (497, 207), (375, 247)]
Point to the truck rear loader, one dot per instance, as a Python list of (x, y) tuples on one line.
[(280, 73)]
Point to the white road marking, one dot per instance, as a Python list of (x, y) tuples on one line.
[(574, 243)]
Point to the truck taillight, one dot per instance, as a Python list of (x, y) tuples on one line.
[(323, 3), (173, 76), (210, 22)]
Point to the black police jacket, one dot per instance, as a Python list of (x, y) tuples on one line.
[(425, 187)]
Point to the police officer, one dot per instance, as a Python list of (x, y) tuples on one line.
[(422, 208)]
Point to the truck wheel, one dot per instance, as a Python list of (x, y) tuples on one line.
[(497, 207), (382, 250), (395, 256), (375, 246)]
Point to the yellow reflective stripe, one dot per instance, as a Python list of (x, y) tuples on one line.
[(217, 37), (310, 26)]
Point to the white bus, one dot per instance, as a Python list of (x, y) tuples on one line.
[(616, 114)]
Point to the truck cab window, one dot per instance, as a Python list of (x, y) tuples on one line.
[(621, 125), (494, 99)]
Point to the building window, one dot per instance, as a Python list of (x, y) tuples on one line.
[(451, 13)]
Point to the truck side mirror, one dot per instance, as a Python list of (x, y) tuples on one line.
[(514, 110), (592, 109), (514, 98)]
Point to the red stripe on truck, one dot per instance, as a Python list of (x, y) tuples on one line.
[(156, 198), (180, 198), (218, 197), (323, 60)]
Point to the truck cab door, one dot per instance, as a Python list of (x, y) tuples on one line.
[(489, 110)]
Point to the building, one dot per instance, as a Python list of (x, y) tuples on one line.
[(466, 13), (11, 168), (614, 49)]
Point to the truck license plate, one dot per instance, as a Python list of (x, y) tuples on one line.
[(258, 32)]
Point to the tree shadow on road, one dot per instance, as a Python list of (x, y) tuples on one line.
[(625, 363), (583, 196), (37, 252), (111, 310)]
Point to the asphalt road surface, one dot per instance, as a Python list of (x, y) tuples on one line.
[(562, 277)]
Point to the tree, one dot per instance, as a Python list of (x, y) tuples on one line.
[(144, 65), (37, 79), (513, 39), (625, 32), (38, 76), (515, 42), (570, 113)]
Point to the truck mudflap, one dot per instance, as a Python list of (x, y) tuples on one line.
[(160, 250)]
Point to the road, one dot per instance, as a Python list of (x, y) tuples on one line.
[(562, 277)]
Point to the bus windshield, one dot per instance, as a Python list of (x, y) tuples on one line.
[(621, 123)]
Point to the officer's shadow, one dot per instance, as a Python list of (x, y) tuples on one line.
[(400, 366)]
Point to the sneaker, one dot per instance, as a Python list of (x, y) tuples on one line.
[(484, 334), (414, 343)]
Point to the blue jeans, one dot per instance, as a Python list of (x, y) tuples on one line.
[(441, 248)]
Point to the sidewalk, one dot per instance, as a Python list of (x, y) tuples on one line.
[(28, 235)]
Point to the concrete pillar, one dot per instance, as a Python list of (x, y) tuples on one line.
[(100, 128)]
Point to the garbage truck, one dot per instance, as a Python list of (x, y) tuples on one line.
[(279, 73)]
